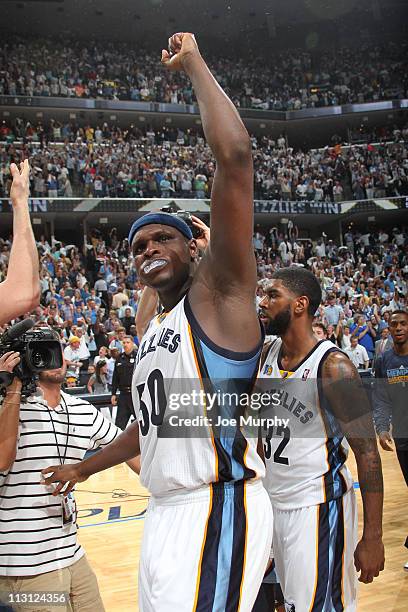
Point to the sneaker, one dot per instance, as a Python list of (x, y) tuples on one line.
[(406, 567)]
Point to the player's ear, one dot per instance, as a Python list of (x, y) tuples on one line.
[(301, 305), (193, 249)]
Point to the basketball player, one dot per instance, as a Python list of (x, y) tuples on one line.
[(208, 529), (311, 489), (390, 394)]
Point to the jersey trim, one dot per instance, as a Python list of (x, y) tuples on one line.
[(209, 564), (310, 353), (238, 548), (265, 352), (323, 543), (199, 573), (338, 562), (235, 355), (224, 471), (199, 372), (246, 542), (316, 555), (239, 448)]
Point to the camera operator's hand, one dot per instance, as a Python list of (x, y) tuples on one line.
[(8, 361), (14, 389), (204, 240), (20, 188), (65, 475)]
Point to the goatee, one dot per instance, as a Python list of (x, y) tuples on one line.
[(279, 325)]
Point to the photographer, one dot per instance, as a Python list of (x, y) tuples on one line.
[(20, 292), (39, 549)]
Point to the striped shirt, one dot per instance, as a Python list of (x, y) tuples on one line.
[(33, 539)]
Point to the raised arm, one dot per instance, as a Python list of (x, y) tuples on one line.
[(343, 388), (232, 192), (226, 276), (20, 292)]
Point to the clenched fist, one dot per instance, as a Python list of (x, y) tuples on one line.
[(182, 45)]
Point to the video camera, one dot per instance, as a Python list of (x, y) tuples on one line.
[(40, 350)]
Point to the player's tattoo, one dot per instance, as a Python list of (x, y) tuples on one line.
[(348, 399), (350, 405), (370, 478)]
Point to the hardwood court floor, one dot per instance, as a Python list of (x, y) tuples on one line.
[(111, 531)]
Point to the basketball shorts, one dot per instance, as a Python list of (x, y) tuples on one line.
[(205, 551), (314, 554)]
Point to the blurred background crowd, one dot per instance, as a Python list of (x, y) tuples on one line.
[(289, 80), (109, 161)]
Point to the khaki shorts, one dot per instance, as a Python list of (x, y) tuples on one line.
[(78, 580)]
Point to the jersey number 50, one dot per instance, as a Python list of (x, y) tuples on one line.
[(158, 401)]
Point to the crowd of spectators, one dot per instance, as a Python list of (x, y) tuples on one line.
[(289, 80), (110, 161), (91, 297), (363, 281)]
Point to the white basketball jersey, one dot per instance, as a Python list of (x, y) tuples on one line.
[(304, 465), (172, 368)]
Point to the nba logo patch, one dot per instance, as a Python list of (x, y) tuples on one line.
[(305, 374)]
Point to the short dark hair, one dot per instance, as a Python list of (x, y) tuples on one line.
[(399, 311), (301, 282), (320, 326)]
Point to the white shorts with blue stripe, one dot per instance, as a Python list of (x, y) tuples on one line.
[(205, 551), (314, 555)]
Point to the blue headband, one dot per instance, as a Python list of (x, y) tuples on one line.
[(160, 218)]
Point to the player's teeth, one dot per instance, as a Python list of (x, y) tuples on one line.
[(154, 265)]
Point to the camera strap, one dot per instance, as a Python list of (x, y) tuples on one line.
[(62, 459), (67, 503)]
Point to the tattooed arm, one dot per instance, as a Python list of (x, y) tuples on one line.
[(344, 390)]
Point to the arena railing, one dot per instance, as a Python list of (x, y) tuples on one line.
[(85, 206), (60, 144), (192, 109)]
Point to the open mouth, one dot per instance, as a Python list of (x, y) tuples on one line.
[(156, 264)]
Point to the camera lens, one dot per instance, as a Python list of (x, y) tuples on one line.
[(40, 359)]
